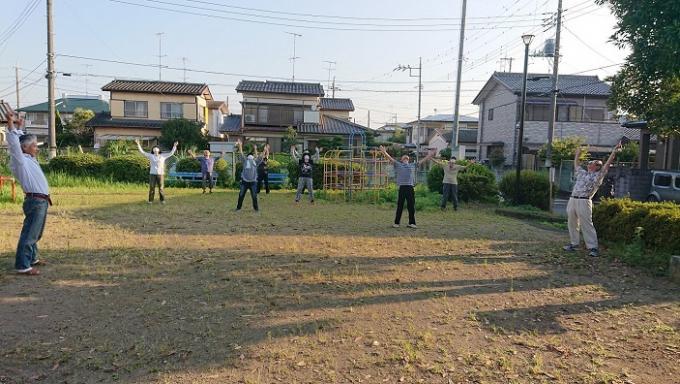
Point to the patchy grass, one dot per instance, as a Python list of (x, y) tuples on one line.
[(194, 292)]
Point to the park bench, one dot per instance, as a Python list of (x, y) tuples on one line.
[(13, 183), (277, 178), (189, 177)]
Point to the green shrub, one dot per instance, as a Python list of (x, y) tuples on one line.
[(81, 164), (127, 168), (188, 164), (617, 221), (534, 189), (114, 148), (475, 183), (222, 168)]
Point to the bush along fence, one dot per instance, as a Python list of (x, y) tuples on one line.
[(125, 168), (643, 234), (475, 183), (534, 189)]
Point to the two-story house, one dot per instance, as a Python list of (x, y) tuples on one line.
[(5, 109), (436, 131), (37, 115), (270, 108), (581, 111), (140, 108)]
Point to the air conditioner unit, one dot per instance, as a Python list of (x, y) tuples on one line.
[(250, 118)]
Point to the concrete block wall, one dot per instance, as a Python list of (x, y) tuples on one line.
[(502, 127)]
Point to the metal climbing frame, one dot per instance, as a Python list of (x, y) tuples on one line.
[(354, 170)]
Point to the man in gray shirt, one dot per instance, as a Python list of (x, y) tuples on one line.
[(404, 172), (249, 175), (580, 205)]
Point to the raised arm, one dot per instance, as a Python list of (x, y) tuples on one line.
[(255, 150), (191, 153), (429, 156), (612, 155), (13, 139), (387, 155), (293, 153), (317, 155), (139, 147), (577, 156), (172, 152), (265, 154), (239, 144)]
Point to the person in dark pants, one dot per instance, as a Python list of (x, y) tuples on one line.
[(249, 175), (405, 176), (156, 169), (450, 182), (207, 165), (305, 172), (263, 175), (23, 149)]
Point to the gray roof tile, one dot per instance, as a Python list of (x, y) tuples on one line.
[(448, 117), (104, 120), (281, 87), (332, 126), (464, 136), (330, 104), (232, 123), (69, 105), (567, 84), (167, 87)]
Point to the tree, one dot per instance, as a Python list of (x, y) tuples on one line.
[(648, 85), (75, 131), (187, 133), (398, 137), (335, 142), (289, 139), (497, 157), (445, 153), (564, 149)]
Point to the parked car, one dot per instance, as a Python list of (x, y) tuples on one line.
[(665, 186)]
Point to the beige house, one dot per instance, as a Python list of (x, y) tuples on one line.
[(140, 108)]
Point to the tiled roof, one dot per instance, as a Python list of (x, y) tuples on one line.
[(104, 120), (464, 136), (448, 117), (281, 87), (232, 123), (166, 87), (567, 84), (69, 104), (215, 104), (332, 126), (5, 109), (329, 104)]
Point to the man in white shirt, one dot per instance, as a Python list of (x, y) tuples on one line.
[(25, 167), (157, 169)]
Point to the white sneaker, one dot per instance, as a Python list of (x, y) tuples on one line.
[(395, 225), (149, 202), (412, 226)]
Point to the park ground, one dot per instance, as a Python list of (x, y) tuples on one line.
[(192, 292)]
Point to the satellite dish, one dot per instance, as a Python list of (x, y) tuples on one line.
[(315, 107)]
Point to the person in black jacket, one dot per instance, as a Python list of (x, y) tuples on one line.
[(263, 175)]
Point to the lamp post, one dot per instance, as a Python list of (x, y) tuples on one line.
[(526, 39)]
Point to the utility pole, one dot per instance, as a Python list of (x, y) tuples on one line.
[(553, 104), (333, 88), (160, 53), (16, 75), (292, 59), (509, 61), (456, 107), (184, 68), (331, 67), (420, 91), (369, 119), (51, 74)]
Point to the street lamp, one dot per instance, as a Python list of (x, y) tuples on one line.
[(526, 39), (410, 69)]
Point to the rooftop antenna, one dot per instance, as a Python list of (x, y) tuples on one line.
[(292, 59), (160, 53), (331, 67), (184, 68), (87, 74)]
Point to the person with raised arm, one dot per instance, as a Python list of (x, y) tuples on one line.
[(157, 169), (580, 205), (404, 172), (23, 149), (305, 172), (207, 165), (249, 174), (450, 181)]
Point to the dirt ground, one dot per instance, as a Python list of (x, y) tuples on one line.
[(192, 292)]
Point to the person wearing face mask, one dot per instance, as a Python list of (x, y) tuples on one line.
[(249, 175), (305, 171), (23, 149), (405, 177), (450, 181), (157, 169), (207, 165)]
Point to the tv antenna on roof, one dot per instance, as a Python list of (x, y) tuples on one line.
[(292, 59)]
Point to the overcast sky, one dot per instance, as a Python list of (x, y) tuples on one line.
[(240, 39)]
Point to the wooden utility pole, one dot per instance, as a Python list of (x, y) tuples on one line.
[(553, 103), (16, 75), (51, 73), (456, 107)]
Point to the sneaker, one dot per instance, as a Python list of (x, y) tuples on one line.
[(237, 210), (570, 248), (204, 191), (149, 202), (412, 226), (594, 253), (395, 225), (311, 202), (163, 202)]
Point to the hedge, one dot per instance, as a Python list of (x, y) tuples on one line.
[(617, 221), (81, 164), (534, 189), (475, 183), (127, 168), (188, 164)]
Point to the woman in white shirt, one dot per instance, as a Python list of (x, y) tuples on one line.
[(157, 169)]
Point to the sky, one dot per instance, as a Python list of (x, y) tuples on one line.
[(221, 42)]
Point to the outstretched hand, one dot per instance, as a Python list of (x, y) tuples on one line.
[(175, 144)]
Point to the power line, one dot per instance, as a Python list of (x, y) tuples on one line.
[(260, 22)]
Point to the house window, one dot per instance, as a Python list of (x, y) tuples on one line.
[(490, 115), (538, 112), (136, 109), (594, 114), (563, 113), (298, 115), (250, 113), (37, 118), (171, 111), (662, 180), (575, 113), (263, 114)]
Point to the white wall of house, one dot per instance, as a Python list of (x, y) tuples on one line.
[(215, 121), (502, 127)]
